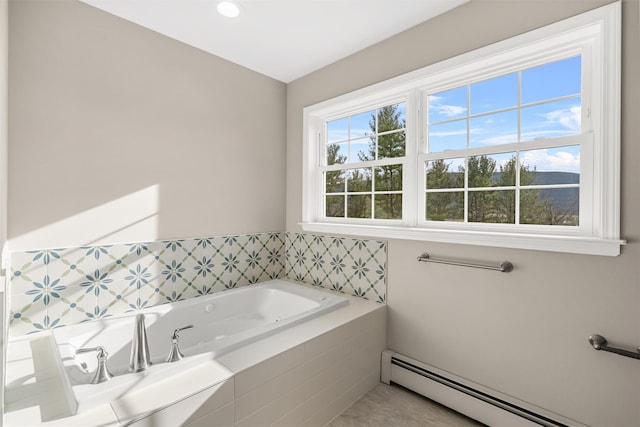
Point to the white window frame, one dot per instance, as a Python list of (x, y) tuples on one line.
[(595, 35)]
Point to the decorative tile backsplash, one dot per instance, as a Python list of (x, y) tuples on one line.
[(353, 266), (57, 287)]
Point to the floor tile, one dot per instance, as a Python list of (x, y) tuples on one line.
[(395, 406)]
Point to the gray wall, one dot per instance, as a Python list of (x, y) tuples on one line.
[(4, 40), (523, 333), (119, 134)]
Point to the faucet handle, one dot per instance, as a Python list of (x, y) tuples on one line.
[(175, 354), (174, 335), (102, 373), (101, 351)]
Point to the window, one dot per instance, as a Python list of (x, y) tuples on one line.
[(363, 172), (507, 149), (513, 145)]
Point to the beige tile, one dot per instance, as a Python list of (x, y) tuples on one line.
[(323, 380), (323, 362), (315, 347), (293, 418), (261, 373), (222, 417), (347, 393), (258, 398), (394, 406), (275, 410)]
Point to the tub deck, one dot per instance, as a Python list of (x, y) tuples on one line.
[(303, 375)]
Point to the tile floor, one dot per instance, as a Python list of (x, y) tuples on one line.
[(395, 406)]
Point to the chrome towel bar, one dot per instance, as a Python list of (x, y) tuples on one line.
[(504, 266), (600, 343)]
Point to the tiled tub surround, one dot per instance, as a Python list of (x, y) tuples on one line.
[(55, 287), (303, 376)]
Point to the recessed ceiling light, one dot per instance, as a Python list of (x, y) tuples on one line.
[(228, 8)]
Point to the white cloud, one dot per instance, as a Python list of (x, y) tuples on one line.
[(507, 138), (448, 133), (558, 161), (450, 110), (569, 118), (435, 105)]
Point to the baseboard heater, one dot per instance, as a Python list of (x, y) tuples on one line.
[(464, 397)]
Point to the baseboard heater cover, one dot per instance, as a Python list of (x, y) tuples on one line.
[(468, 400)]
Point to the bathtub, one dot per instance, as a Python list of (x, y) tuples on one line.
[(222, 322)]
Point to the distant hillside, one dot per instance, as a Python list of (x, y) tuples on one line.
[(564, 199), (547, 178)]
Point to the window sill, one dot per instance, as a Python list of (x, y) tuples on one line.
[(566, 244)]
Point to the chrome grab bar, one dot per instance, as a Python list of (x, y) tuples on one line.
[(600, 343), (504, 266)]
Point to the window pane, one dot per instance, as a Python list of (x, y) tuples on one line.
[(335, 206), (553, 80), (491, 170), (505, 175), (492, 206), (552, 120), (448, 105), (391, 145), (359, 180), (334, 182), (359, 206), (552, 206), (337, 153), (494, 129), (388, 178), (445, 173), (447, 206), (392, 117), (338, 130), (551, 166), (363, 124), (494, 94), (361, 150), (388, 206), (448, 136)]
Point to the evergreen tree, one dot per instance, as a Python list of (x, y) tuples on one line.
[(445, 206), (334, 183), (359, 181), (481, 171), (387, 145)]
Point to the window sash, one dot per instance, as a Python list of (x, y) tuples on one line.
[(585, 141)]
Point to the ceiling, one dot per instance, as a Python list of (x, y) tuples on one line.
[(283, 39)]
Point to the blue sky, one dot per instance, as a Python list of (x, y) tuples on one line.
[(356, 129), (546, 118), (550, 107)]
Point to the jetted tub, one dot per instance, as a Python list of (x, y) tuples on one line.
[(222, 322)]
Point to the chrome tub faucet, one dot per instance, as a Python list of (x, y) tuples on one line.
[(139, 360)]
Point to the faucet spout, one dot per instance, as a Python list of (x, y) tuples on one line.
[(140, 359)]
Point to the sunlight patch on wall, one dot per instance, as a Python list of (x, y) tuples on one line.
[(134, 217)]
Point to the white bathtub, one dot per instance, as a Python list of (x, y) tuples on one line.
[(222, 322)]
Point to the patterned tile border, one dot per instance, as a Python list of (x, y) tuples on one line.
[(352, 266), (57, 287)]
